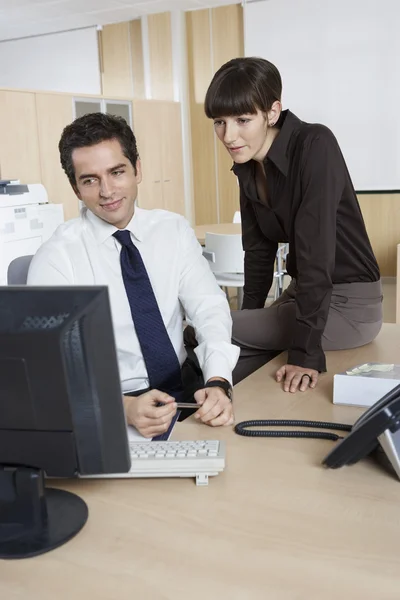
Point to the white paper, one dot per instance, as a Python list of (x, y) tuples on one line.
[(135, 436)]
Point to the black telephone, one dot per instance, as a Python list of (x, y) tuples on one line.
[(380, 424), (378, 427)]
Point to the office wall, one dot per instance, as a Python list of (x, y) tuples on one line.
[(340, 65), (62, 62)]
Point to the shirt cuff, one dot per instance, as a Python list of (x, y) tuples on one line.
[(315, 361), (218, 362)]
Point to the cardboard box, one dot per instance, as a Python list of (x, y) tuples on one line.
[(365, 384)]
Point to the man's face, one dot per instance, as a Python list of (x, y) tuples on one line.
[(106, 181)]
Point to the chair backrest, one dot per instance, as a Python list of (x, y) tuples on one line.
[(281, 255), (237, 217), (17, 273), (225, 252)]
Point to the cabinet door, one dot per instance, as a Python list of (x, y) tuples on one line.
[(147, 129), (119, 108), (54, 112), (19, 147), (172, 157), (115, 64), (84, 106)]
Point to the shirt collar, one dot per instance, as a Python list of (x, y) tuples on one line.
[(102, 230), (278, 153)]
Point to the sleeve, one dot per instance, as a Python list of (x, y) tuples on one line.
[(322, 181), (50, 266), (259, 257), (207, 308)]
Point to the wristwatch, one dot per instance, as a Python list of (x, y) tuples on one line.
[(224, 385)]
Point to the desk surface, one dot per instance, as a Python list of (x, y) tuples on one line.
[(275, 525), (231, 228)]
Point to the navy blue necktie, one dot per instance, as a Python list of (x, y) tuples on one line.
[(159, 355)]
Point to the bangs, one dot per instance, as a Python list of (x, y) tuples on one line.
[(232, 95)]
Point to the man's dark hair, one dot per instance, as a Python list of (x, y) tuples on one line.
[(241, 86), (92, 129)]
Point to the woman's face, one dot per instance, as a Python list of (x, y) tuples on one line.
[(244, 136)]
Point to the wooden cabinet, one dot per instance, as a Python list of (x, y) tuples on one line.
[(54, 112), (215, 189), (381, 214), (160, 55), (398, 285), (158, 130), (172, 157), (115, 60), (19, 147)]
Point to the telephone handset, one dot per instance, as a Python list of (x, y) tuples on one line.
[(380, 424)]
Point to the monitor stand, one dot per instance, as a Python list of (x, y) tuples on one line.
[(35, 519)]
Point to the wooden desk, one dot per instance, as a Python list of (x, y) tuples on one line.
[(275, 525), (231, 228)]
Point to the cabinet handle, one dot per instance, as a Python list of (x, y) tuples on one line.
[(157, 180), (166, 180)]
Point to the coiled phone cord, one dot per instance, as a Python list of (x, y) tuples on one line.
[(242, 429)]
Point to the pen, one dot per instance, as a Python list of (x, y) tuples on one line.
[(187, 405), (182, 405)]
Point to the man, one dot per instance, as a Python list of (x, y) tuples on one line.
[(155, 272)]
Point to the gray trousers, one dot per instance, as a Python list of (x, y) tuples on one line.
[(354, 319)]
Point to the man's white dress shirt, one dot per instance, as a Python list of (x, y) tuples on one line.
[(83, 251)]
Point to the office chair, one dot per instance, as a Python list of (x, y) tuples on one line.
[(280, 272), (237, 217), (226, 257), (17, 273)]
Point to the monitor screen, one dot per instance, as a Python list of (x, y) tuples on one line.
[(61, 410)]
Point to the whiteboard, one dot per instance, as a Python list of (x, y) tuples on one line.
[(340, 65), (59, 62)]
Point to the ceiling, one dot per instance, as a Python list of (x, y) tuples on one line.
[(24, 18)]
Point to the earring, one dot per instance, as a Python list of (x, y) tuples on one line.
[(271, 124)]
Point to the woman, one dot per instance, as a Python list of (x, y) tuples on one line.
[(294, 187)]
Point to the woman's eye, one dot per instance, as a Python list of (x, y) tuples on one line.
[(243, 121), (218, 123)]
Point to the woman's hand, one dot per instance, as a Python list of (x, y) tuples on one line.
[(297, 378)]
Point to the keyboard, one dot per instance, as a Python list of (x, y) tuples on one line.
[(198, 459)]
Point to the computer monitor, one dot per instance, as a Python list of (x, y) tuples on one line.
[(61, 410)]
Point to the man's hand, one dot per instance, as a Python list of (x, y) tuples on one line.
[(216, 408), (297, 378), (150, 420)]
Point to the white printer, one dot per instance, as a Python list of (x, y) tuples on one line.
[(26, 221)]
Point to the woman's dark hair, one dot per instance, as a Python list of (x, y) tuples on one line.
[(92, 129), (243, 86)]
